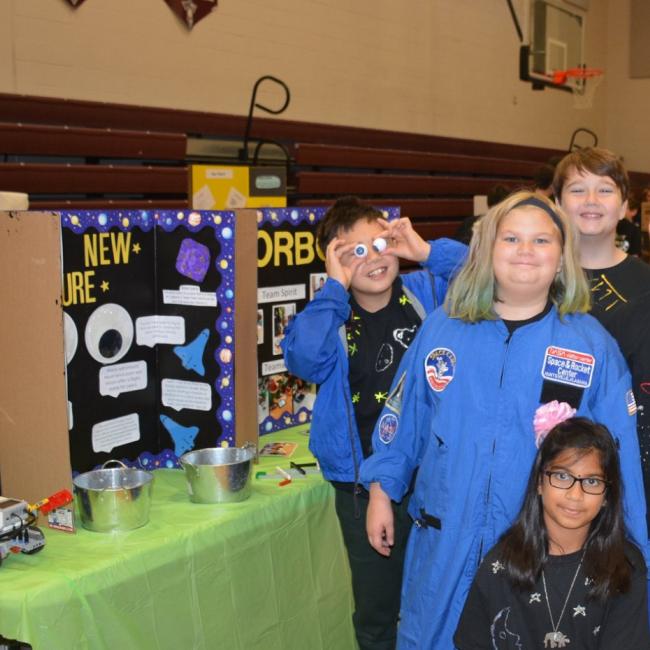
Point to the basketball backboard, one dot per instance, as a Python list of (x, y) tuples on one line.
[(553, 40)]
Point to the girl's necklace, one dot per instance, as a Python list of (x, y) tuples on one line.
[(556, 636)]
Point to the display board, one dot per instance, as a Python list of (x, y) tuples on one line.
[(148, 303), (291, 270), (119, 340)]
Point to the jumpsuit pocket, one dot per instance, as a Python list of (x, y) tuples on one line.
[(433, 475)]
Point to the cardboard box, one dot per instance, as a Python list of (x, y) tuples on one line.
[(35, 458)]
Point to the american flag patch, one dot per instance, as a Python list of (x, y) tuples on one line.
[(630, 402)]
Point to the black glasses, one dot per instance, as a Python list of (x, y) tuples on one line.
[(565, 481)]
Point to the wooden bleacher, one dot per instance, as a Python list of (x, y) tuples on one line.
[(444, 183), (321, 155), (79, 154), (66, 166)]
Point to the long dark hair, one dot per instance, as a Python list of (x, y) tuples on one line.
[(525, 544)]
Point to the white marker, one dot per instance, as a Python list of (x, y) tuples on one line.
[(283, 473)]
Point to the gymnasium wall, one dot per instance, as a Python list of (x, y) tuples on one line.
[(442, 67), (628, 99)]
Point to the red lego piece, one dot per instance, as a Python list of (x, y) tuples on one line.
[(55, 501)]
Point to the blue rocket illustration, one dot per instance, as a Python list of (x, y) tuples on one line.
[(183, 437), (191, 355)]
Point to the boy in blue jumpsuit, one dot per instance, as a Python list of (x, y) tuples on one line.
[(350, 339), (462, 414)]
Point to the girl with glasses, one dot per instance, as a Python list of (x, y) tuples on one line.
[(564, 575)]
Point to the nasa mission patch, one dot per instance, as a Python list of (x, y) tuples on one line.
[(387, 428), (439, 367)]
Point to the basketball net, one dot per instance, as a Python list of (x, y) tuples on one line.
[(583, 83)]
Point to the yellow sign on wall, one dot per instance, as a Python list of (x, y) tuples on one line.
[(227, 187)]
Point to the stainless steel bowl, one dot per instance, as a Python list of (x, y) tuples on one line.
[(116, 498), (218, 475)]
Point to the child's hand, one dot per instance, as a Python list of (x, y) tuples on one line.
[(404, 242), (379, 521), (340, 261)]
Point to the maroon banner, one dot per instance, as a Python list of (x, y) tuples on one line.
[(191, 11)]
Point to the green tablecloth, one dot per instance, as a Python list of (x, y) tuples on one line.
[(267, 573)]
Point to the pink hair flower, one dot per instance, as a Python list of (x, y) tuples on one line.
[(547, 416)]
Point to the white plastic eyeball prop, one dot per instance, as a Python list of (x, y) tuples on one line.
[(379, 244), (109, 333), (361, 250), (70, 337)]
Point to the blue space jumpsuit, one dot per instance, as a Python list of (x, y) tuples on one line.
[(461, 413)]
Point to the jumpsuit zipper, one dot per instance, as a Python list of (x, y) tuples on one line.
[(494, 444)]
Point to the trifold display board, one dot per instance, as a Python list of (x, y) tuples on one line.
[(118, 340), (291, 271)]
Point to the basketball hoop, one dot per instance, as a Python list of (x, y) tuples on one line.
[(582, 82)]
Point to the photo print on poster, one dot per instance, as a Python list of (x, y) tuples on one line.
[(260, 326), (282, 314), (316, 283)]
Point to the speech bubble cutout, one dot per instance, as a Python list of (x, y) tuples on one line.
[(190, 295), (122, 378), (151, 330), (179, 394), (109, 434)]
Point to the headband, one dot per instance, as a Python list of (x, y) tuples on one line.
[(542, 205)]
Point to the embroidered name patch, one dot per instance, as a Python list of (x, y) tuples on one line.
[(387, 428), (439, 367), (630, 402), (568, 367)]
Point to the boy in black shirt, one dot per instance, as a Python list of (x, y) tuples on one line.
[(592, 187)]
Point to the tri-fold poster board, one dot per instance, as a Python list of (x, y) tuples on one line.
[(121, 336)]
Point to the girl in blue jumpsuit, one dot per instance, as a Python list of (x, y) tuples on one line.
[(512, 337)]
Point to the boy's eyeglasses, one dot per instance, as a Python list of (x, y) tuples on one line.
[(565, 481)]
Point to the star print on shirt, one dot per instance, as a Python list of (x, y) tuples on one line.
[(497, 566), (356, 397), (380, 396), (535, 598), (596, 630), (604, 293), (353, 333), (579, 610), (403, 300), (353, 349)]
